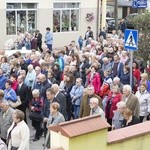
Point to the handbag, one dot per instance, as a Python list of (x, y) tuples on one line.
[(14, 148), (15, 104), (36, 116)]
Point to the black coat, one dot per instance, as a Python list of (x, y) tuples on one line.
[(63, 103), (24, 94), (135, 120)]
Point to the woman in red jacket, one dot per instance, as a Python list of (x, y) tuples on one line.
[(113, 98), (94, 79), (13, 78), (137, 75)]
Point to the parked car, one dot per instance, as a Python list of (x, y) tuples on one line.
[(110, 24)]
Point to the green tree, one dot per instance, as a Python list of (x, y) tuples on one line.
[(142, 24)]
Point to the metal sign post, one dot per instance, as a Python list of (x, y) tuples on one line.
[(131, 43), (131, 72)]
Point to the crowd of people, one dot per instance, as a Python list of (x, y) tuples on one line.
[(56, 85)]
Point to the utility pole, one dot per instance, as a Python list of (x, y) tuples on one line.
[(116, 15)]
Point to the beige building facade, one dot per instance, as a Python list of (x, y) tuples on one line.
[(68, 19)]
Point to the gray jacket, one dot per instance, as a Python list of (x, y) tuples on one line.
[(5, 121)]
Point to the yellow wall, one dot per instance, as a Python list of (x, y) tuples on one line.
[(91, 141), (98, 140), (137, 143)]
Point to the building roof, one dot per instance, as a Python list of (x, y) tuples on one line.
[(80, 126), (121, 3), (127, 133)]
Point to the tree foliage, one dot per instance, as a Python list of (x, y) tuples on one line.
[(142, 24)]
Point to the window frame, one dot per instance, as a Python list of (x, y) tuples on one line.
[(21, 9), (70, 9)]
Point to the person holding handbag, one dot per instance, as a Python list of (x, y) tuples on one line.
[(18, 135), (36, 114)]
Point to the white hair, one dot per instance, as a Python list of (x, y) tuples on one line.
[(94, 100), (30, 66), (116, 79), (127, 87), (36, 91), (121, 104), (105, 59)]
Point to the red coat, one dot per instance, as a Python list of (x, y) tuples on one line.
[(137, 75), (15, 85), (95, 82), (109, 112)]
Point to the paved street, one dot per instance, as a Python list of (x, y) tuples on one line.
[(38, 144), (35, 145)]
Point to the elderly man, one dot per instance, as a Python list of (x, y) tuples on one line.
[(85, 103), (95, 109), (131, 100), (116, 81), (5, 118), (76, 96), (62, 100)]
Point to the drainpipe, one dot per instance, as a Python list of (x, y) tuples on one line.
[(103, 23), (98, 19)]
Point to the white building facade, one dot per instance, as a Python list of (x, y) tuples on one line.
[(68, 19)]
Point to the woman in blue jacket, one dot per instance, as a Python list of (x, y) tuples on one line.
[(9, 93)]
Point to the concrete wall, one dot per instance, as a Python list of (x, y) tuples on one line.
[(45, 19)]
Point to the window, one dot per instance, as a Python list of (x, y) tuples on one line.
[(21, 16), (65, 17)]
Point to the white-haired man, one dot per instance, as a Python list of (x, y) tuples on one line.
[(5, 118), (62, 100), (116, 81), (95, 109), (131, 100)]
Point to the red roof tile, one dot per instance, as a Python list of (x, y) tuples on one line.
[(129, 132), (80, 126)]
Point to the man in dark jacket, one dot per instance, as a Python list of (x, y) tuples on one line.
[(62, 100), (38, 35), (25, 95), (85, 103)]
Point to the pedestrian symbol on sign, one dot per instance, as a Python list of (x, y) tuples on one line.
[(130, 40)]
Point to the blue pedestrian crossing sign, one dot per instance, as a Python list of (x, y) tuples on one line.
[(131, 39)]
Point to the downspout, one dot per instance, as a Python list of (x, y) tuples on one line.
[(98, 19)]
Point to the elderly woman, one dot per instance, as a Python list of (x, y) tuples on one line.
[(36, 114), (76, 94), (113, 98), (55, 117), (129, 118), (144, 100), (30, 77), (117, 120), (144, 79), (18, 134)]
